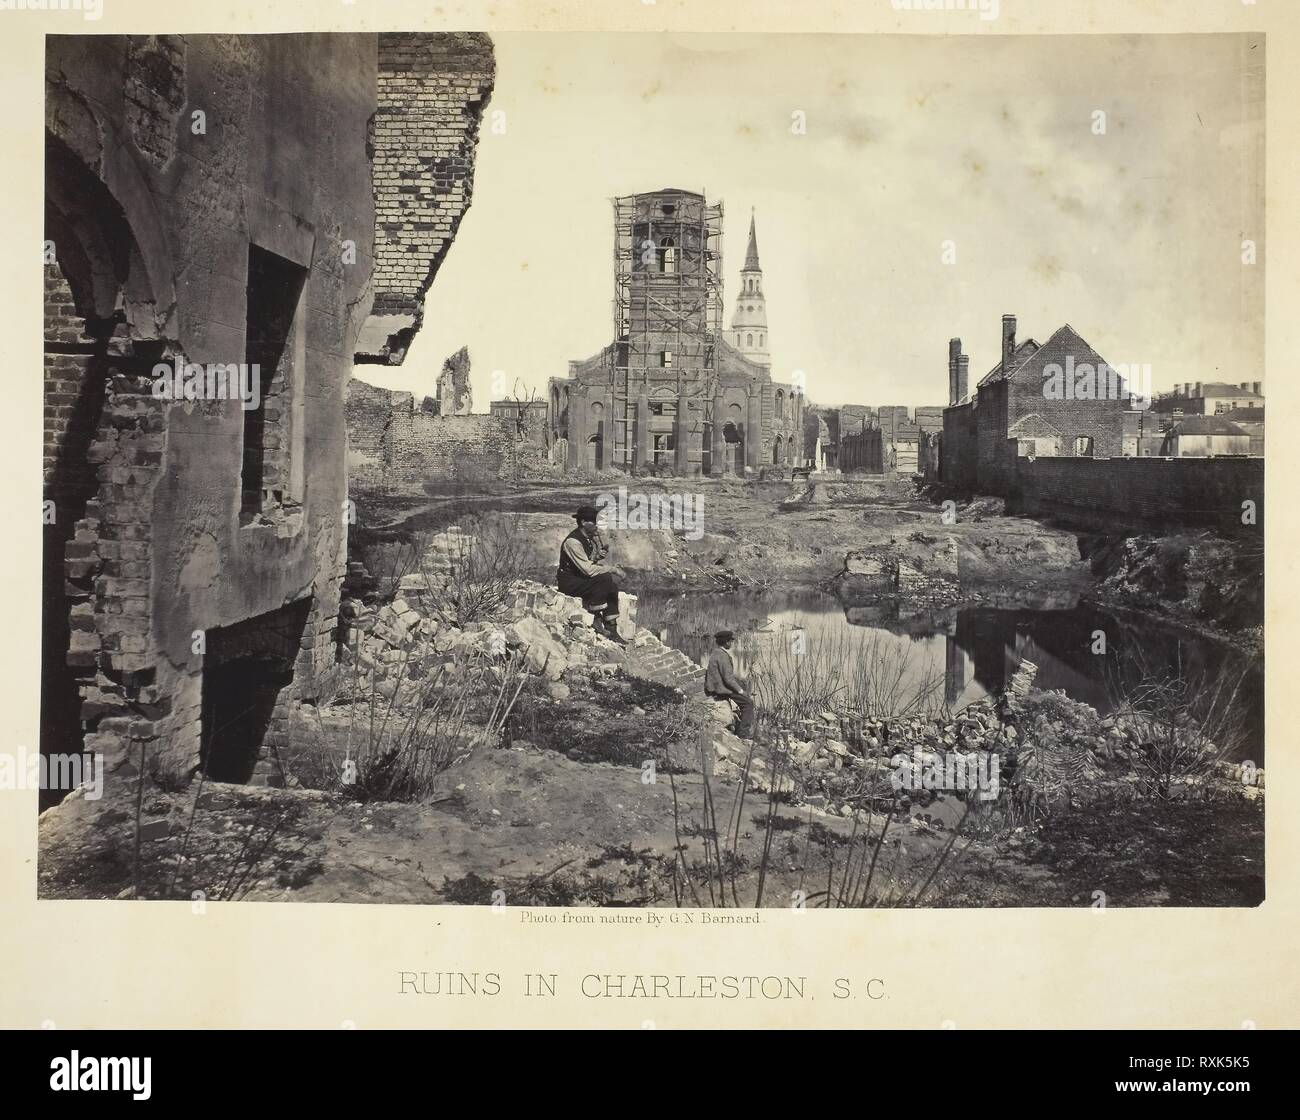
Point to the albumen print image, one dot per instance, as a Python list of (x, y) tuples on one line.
[(719, 471)]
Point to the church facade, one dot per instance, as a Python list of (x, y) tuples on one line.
[(674, 393)]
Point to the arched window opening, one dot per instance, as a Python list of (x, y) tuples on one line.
[(668, 256)]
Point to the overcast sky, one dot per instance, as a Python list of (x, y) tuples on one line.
[(1133, 237)]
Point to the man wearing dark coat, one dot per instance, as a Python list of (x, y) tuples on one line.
[(583, 574)]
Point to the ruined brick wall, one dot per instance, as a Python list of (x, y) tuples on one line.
[(454, 395), (862, 451), (1141, 493), (958, 451), (432, 91), (395, 446), (991, 422), (184, 175), (152, 214), (69, 353), (1102, 420), (369, 411)]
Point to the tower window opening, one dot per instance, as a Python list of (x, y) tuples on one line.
[(668, 256)]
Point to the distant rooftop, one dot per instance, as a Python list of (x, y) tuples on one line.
[(1207, 426)]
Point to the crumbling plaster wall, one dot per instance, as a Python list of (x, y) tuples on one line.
[(278, 160)]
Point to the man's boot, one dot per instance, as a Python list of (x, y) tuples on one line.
[(609, 627)]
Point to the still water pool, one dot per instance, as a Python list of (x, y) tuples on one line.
[(961, 655)]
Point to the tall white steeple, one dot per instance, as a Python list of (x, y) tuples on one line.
[(748, 332)]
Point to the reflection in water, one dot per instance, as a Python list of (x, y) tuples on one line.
[(975, 649)]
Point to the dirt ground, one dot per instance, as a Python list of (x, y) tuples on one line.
[(562, 813), (542, 829)]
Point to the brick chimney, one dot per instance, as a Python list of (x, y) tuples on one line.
[(1008, 340), (963, 378), (1198, 389), (1187, 388), (1254, 388), (956, 386)]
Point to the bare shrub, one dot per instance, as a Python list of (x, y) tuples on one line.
[(388, 738), (471, 573), (1182, 721), (860, 676)]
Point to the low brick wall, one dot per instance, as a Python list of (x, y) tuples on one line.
[(393, 445), (1141, 493)]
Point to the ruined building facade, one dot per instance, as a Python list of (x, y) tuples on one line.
[(1057, 398), (671, 394), (213, 201)]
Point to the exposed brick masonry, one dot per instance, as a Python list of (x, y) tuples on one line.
[(395, 445), (432, 91)]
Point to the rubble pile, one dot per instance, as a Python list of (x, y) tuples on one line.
[(551, 632)]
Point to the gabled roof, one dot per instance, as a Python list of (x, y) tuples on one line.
[(1206, 426), (1019, 357)]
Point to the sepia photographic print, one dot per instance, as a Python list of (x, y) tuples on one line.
[(707, 471)]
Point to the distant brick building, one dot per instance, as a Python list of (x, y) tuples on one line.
[(1059, 397), (1211, 398), (674, 393)]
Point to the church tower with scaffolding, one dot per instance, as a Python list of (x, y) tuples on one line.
[(673, 394), (749, 322)]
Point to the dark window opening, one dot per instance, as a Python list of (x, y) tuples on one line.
[(274, 288), (245, 668), (668, 256)]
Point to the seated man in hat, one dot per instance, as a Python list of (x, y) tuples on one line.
[(582, 574), (721, 683)]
